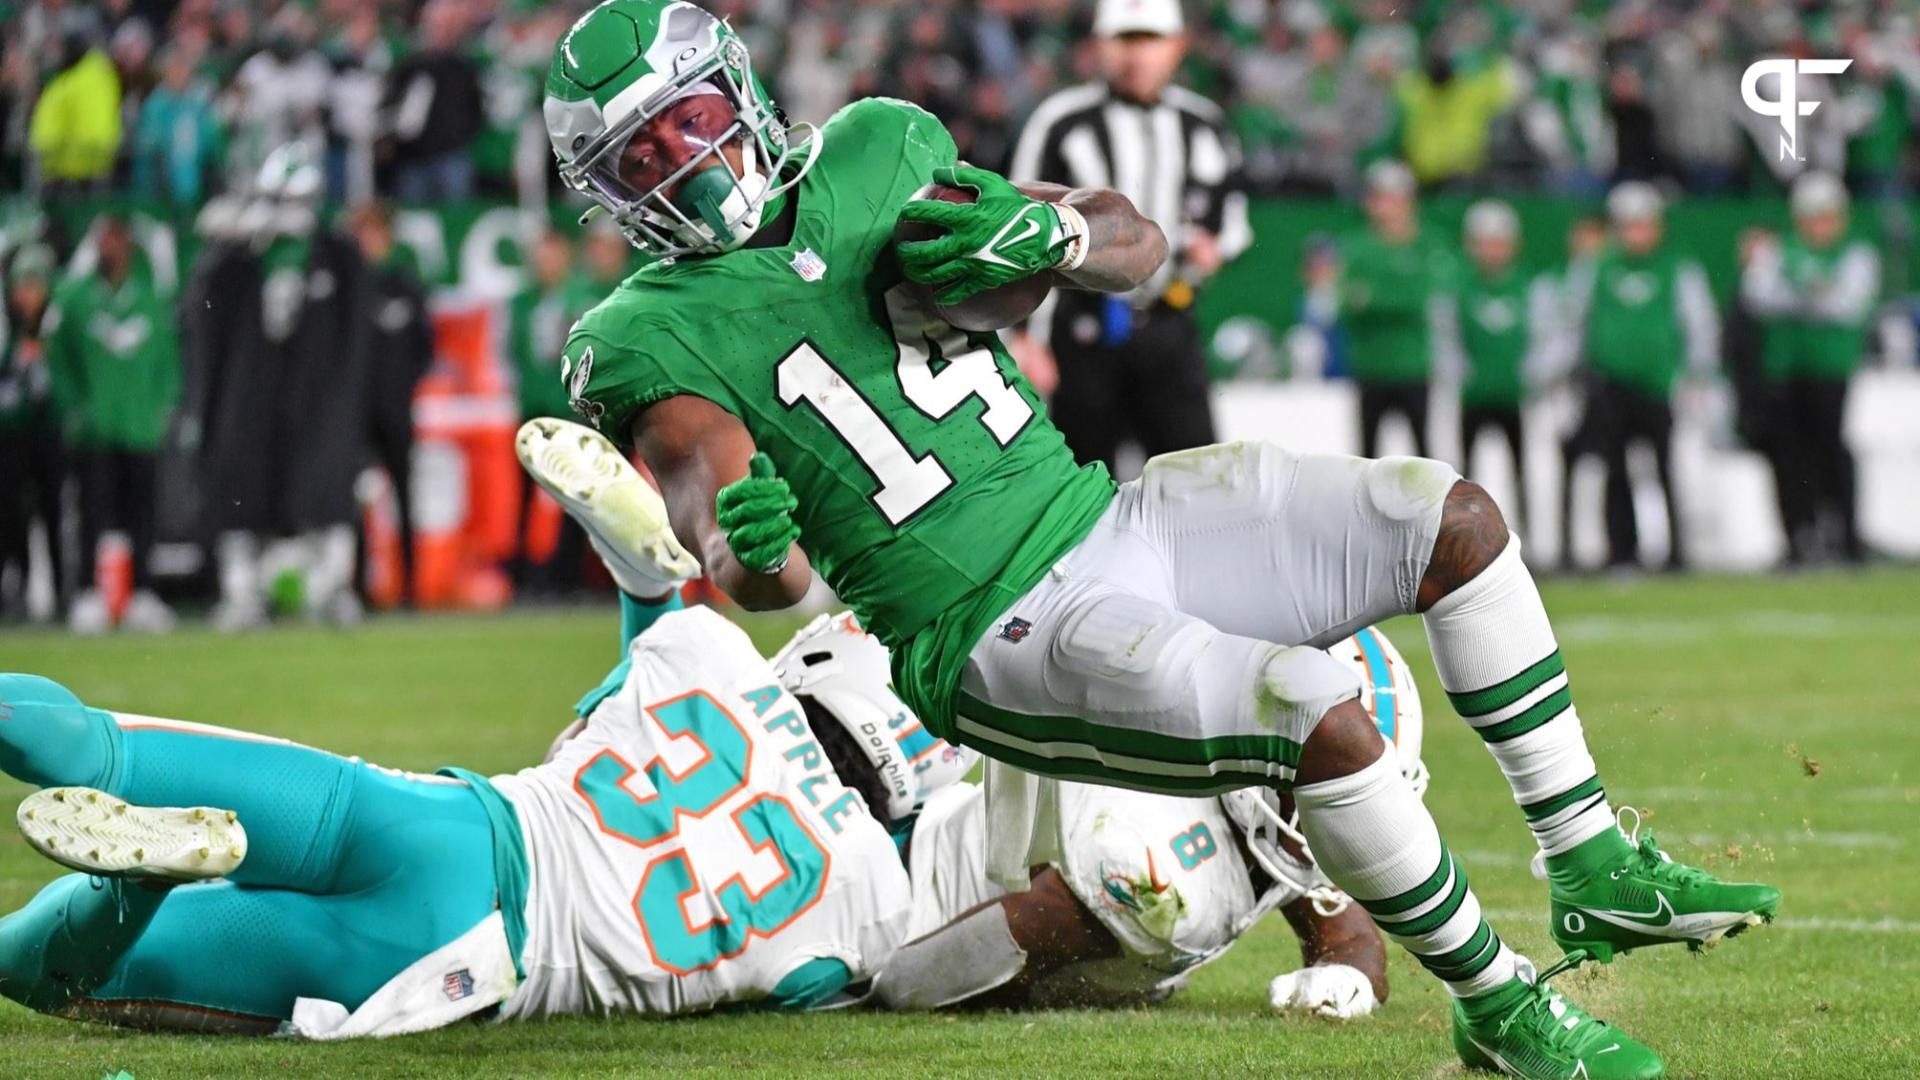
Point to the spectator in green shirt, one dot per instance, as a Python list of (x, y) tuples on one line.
[(1815, 294), (539, 317), (113, 350), (1396, 284), (1506, 327), (1643, 314)]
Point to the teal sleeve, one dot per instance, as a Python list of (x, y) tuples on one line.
[(810, 985), (635, 618)]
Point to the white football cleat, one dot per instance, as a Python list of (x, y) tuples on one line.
[(101, 834), (624, 517)]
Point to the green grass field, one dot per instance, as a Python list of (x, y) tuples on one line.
[(1765, 727)]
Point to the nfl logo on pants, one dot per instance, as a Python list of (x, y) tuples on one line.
[(458, 985)]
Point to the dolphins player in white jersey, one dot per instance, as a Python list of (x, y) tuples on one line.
[(1142, 888), (689, 846), (1139, 889)]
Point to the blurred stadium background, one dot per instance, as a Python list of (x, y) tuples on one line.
[(412, 160), (1767, 716)]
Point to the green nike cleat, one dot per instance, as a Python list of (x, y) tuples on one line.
[(1526, 1029), (1648, 899)]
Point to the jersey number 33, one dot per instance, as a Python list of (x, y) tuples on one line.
[(646, 805)]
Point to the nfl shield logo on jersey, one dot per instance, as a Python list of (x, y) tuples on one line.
[(809, 266), (1016, 630), (458, 985)]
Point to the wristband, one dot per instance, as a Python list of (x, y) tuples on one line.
[(1073, 229)]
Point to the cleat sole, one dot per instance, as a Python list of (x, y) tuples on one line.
[(98, 833), (622, 514)]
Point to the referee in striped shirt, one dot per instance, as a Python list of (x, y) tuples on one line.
[(1133, 366)]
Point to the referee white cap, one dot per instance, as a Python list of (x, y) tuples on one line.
[(1390, 177), (1818, 193), (1115, 17), (1491, 219), (1635, 200)]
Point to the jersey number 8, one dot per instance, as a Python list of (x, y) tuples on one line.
[(907, 483), (617, 791)]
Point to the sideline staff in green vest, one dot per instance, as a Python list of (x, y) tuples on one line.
[(1814, 293), (1644, 314), (113, 349), (1506, 325), (1396, 290), (539, 317)]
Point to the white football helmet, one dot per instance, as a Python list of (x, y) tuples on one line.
[(845, 671), (1388, 692)]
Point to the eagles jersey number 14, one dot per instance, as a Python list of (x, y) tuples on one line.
[(924, 466)]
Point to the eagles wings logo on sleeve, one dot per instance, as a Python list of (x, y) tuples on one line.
[(578, 375)]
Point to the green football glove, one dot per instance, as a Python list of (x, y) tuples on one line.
[(1002, 236), (756, 513)]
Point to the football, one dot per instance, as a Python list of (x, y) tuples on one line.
[(995, 309)]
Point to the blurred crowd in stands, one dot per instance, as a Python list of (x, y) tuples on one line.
[(260, 121), (439, 99)]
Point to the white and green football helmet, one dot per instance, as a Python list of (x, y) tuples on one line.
[(621, 65), (1388, 693)]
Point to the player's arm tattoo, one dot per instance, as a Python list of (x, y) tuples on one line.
[(1124, 246), (694, 449), (1347, 938), (1472, 535)]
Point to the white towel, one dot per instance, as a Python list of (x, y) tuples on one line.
[(1023, 824), (470, 973)]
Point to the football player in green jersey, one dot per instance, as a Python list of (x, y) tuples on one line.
[(790, 375)]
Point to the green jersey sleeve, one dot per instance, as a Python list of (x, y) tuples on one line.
[(927, 139), (613, 367)]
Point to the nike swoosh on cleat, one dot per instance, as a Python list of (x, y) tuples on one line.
[(1659, 917)]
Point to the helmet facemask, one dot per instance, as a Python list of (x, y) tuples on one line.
[(1266, 832)]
